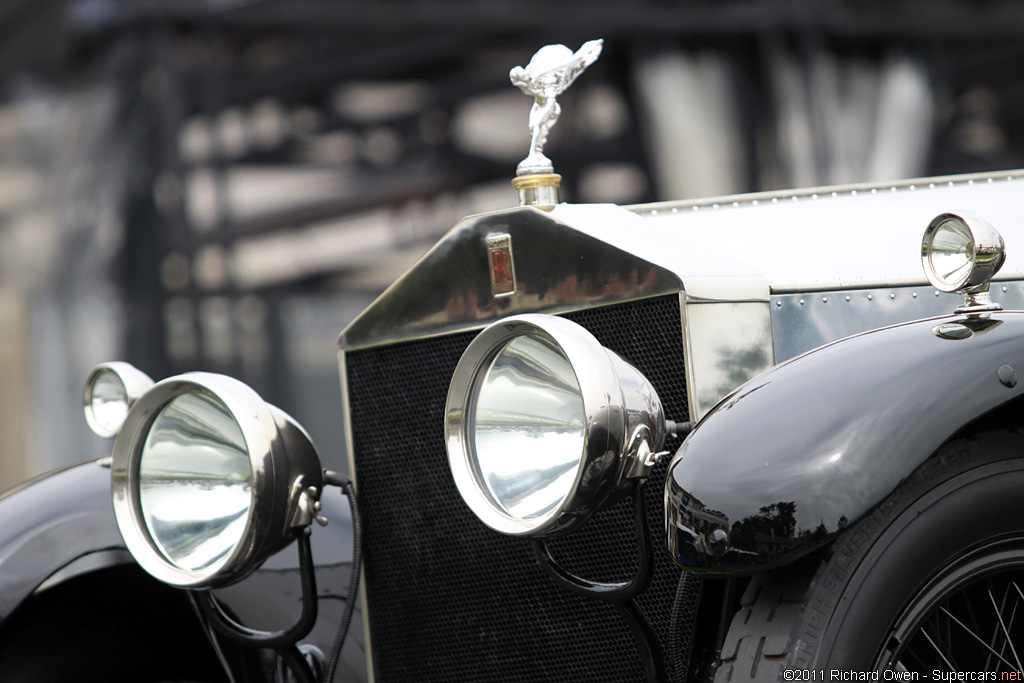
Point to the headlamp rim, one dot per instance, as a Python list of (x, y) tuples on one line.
[(260, 433), (604, 414)]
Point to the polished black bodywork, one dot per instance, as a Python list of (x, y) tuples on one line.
[(61, 525), (790, 459), (54, 524)]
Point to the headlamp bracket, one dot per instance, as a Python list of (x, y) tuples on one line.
[(639, 459), (305, 503), (978, 303)]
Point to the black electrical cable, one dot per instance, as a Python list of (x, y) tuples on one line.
[(682, 626), (271, 639), (296, 663), (340, 480), (678, 428), (622, 595), (211, 634), (609, 592)]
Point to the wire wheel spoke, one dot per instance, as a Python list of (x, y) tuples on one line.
[(1005, 630), (1007, 595), (974, 627), (938, 650)]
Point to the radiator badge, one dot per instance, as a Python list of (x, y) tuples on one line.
[(503, 272)]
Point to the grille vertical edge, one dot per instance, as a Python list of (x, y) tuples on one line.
[(451, 600)]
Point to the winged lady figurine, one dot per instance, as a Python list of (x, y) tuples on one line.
[(549, 73)]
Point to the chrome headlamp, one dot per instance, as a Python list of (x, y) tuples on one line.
[(208, 480), (543, 423), (962, 252), (110, 390)]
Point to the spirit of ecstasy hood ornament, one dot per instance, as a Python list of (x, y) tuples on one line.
[(549, 73)]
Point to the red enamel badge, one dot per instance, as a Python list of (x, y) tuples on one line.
[(499, 257)]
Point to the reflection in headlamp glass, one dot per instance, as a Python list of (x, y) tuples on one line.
[(195, 481), (529, 427), (951, 252)]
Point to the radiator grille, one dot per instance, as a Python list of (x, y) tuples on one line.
[(449, 599)]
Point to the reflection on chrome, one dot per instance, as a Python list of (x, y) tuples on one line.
[(109, 401), (195, 482), (951, 251), (529, 427)]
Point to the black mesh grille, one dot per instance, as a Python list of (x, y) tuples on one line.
[(449, 599)]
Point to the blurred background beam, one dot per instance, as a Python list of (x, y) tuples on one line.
[(908, 19), (222, 185)]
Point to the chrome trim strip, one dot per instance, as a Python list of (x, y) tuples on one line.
[(877, 284), (691, 386), (823, 192), (347, 418), (371, 676), (350, 453)]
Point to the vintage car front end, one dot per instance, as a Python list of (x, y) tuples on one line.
[(742, 438)]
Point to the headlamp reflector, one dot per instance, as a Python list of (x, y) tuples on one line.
[(529, 427), (195, 482), (950, 254), (108, 405)]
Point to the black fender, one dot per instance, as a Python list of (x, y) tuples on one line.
[(783, 464), (55, 527)]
